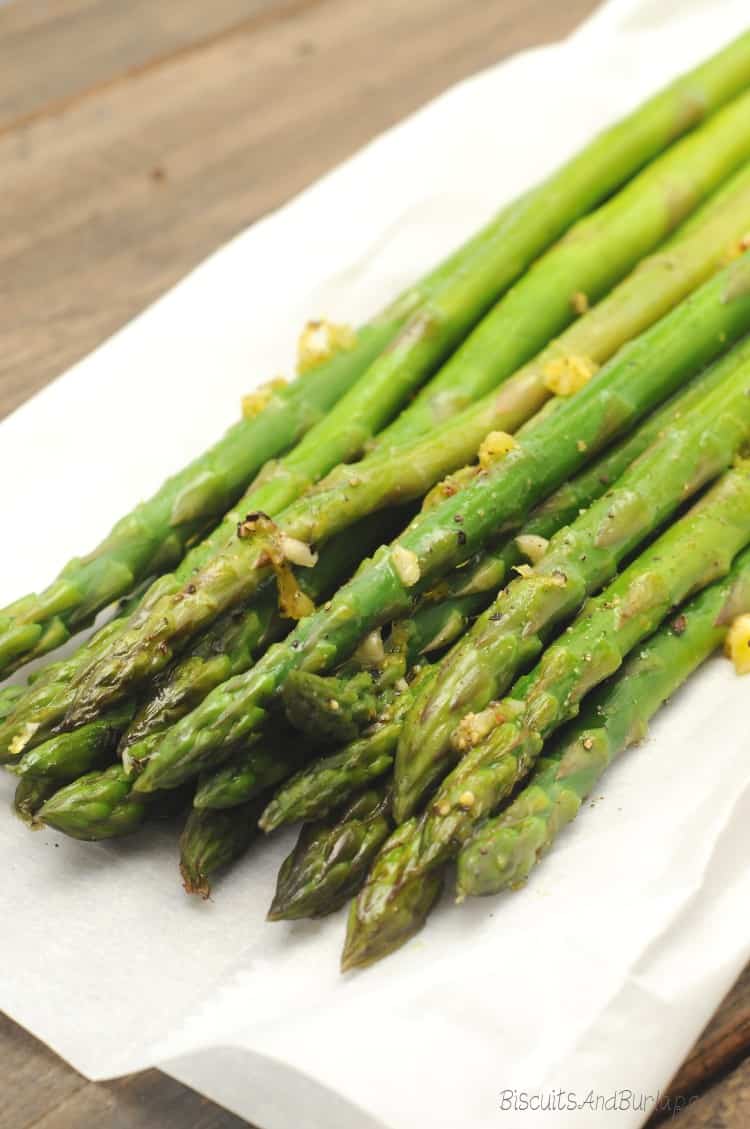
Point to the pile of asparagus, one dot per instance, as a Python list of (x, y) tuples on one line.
[(420, 597)]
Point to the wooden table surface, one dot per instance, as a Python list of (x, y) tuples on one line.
[(135, 138)]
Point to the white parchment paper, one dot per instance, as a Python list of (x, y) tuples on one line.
[(600, 974)]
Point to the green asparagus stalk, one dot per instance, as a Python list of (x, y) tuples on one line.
[(214, 840), (253, 770), (503, 851), (31, 794), (257, 767), (384, 588), (101, 805), (325, 784), (38, 711), (332, 710), (229, 646), (69, 755), (578, 561), (331, 858), (9, 698), (234, 641), (693, 553), (595, 254), (98, 805), (337, 708)]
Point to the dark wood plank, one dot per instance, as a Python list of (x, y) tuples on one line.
[(39, 1090), (724, 1106), (108, 203), (32, 1079), (75, 46), (724, 1043), (145, 1101)]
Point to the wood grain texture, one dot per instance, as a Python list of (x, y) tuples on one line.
[(724, 1043), (134, 139), (38, 1090), (725, 1106), (72, 47)]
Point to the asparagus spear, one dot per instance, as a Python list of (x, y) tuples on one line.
[(331, 858), (98, 805), (383, 589), (593, 256), (503, 851), (694, 552), (318, 785), (327, 783), (253, 769), (101, 805), (336, 708), (233, 642), (212, 841), (9, 698), (578, 561), (38, 709), (69, 755), (31, 794)]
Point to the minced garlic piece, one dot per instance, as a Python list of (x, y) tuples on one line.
[(568, 375), (280, 551), (580, 302), (495, 446), (523, 570), (297, 552), (738, 644), (22, 738), (293, 602), (406, 565), (532, 547), (319, 340), (254, 403), (448, 487), (474, 727), (371, 652)]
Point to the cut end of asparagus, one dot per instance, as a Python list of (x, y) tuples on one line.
[(194, 882)]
